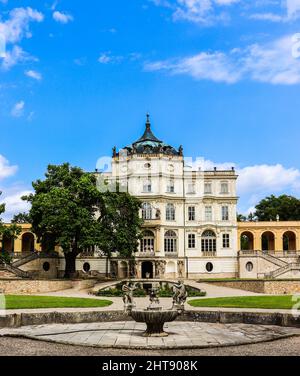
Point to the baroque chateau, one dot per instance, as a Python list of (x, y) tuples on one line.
[(190, 227)]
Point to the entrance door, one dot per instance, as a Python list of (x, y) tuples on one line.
[(147, 269)]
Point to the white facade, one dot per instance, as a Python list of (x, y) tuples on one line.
[(189, 216)]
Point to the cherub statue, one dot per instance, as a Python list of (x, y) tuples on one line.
[(153, 292), (179, 294), (128, 290)]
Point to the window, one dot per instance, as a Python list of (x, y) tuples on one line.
[(209, 267), (207, 188), (191, 213), (208, 241), (224, 187), (191, 241), (170, 212), (86, 267), (146, 210), (147, 186), (208, 213), (147, 242), (170, 242), (249, 266), (147, 165), (46, 266), (191, 188), (226, 241), (170, 186), (225, 213)]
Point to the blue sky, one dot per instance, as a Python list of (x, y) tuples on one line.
[(220, 77)]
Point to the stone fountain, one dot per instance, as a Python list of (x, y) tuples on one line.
[(154, 316)]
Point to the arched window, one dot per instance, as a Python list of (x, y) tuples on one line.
[(170, 212), (146, 210), (27, 242), (170, 242), (289, 241), (208, 242), (147, 242), (268, 241), (247, 241), (7, 243)]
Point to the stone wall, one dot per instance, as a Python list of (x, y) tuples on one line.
[(248, 285), (282, 287), (214, 316), (21, 286), (5, 274), (278, 287)]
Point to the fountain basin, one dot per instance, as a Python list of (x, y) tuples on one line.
[(155, 319)]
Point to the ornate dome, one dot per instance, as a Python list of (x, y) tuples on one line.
[(149, 144)]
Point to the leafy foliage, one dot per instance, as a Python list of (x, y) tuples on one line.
[(68, 210), (117, 291), (21, 218), (11, 231), (121, 223), (5, 257), (286, 207)]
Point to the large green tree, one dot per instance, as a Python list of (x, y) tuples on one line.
[(68, 209), (286, 207), (121, 223), (21, 218), (63, 208)]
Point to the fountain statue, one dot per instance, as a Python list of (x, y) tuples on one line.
[(128, 290), (154, 315), (179, 295)]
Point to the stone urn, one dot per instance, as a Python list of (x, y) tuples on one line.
[(154, 319)]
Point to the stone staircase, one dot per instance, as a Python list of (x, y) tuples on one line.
[(16, 271), (284, 269), (283, 266), (274, 260), (24, 260)]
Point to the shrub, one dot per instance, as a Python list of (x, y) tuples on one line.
[(117, 291), (5, 257)]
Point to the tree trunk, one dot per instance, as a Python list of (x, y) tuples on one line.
[(70, 268)]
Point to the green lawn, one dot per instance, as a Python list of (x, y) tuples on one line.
[(269, 302), (29, 301)]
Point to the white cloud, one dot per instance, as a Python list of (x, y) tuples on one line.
[(107, 57), (267, 17), (13, 30), (13, 203), (205, 12), (62, 17), (15, 56), (267, 178), (6, 169), (33, 74), (215, 66), (207, 165), (18, 109), (257, 181), (11, 195), (289, 10), (209, 12), (17, 26), (104, 58), (271, 63), (293, 9)]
